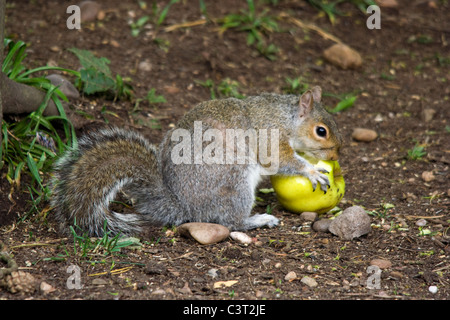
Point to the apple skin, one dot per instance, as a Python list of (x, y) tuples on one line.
[(295, 193)]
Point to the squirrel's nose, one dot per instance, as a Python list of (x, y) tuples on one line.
[(334, 155)]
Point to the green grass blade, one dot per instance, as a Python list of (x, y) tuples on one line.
[(344, 104), (8, 62), (34, 170), (48, 68)]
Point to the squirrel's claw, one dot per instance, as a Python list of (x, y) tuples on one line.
[(322, 179)]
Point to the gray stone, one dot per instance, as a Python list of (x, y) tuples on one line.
[(352, 223), (421, 222), (290, 276), (213, 273), (89, 10), (321, 225), (310, 282), (308, 216), (64, 85)]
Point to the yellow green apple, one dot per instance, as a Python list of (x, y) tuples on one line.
[(296, 194)]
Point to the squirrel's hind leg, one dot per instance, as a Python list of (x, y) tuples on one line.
[(260, 220)]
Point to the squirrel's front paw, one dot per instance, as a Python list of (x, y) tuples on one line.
[(317, 176)]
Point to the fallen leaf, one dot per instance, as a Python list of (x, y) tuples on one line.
[(220, 284)]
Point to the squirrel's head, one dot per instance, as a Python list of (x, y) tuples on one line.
[(317, 135)]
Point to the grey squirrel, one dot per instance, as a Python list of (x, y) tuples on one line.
[(195, 174)]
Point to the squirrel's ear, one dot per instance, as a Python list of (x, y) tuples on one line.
[(317, 94), (306, 103)]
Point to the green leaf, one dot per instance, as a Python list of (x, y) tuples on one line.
[(96, 77), (344, 104), (152, 97), (33, 169), (142, 21), (88, 60), (95, 81), (12, 64), (17, 172), (266, 190)]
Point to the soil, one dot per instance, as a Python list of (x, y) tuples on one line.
[(405, 71)]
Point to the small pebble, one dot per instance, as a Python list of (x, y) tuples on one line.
[(428, 114), (352, 223), (241, 237), (364, 135), (55, 48), (383, 294), (46, 288), (89, 10), (343, 56), (99, 282), (64, 85), (396, 275), (204, 233), (158, 292), (433, 289), (321, 225), (421, 223), (115, 44), (290, 276), (213, 273), (381, 263), (308, 216), (428, 176), (172, 89), (345, 284), (145, 66), (310, 282)]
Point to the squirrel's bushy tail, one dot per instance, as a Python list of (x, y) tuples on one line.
[(87, 178)]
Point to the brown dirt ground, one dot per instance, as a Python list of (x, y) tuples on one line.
[(400, 77)]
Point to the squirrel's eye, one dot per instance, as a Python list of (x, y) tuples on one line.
[(321, 131)]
